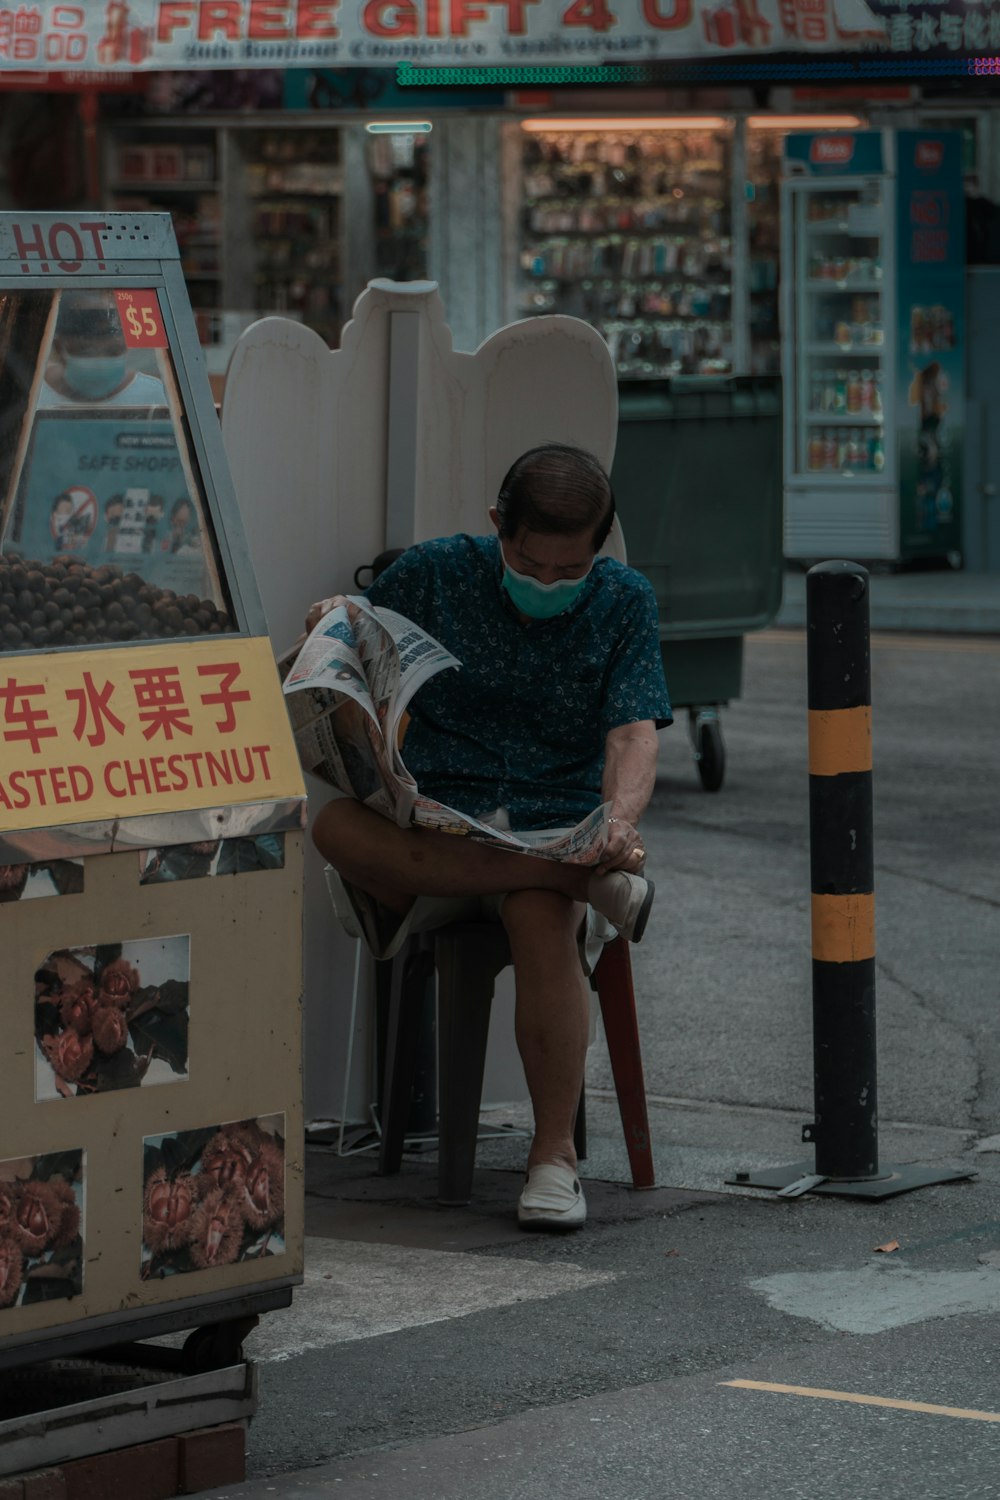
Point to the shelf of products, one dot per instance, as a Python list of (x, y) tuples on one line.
[(258, 214), (839, 450), (150, 170), (839, 316), (398, 165), (291, 184), (763, 212), (630, 230)]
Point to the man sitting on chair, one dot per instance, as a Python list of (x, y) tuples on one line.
[(554, 710)]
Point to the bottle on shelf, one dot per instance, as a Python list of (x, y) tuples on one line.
[(840, 391), (817, 392)]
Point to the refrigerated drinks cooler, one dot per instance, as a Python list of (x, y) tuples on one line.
[(873, 230)]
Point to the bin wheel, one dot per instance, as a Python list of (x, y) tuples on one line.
[(710, 754), (216, 1345)]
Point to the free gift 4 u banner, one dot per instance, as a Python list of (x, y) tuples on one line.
[(119, 37)]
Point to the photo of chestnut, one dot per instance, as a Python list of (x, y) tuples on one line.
[(112, 1016), (41, 1222), (48, 877), (213, 1197), (237, 856)]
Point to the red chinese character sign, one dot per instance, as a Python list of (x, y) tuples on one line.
[(124, 36), (86, 736)]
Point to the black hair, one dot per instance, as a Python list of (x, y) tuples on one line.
[(86, 316), (63, 495), (556, 489)]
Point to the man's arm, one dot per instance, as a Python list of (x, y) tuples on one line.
[(630, 753)]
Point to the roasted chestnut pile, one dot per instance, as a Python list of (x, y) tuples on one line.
[(69, 603)]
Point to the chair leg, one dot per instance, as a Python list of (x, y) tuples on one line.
[(580, 1128), (411, 970), (467, 966), (613, 980), (383, 999)]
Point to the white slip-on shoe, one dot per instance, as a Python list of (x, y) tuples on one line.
[(552, 1198), (626, 900)]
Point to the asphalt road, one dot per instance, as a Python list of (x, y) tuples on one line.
[(728, 957), (441, 1354)]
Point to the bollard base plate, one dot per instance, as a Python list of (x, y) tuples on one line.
[(800, 1177)]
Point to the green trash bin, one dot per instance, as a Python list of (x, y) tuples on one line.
[(698, 481)]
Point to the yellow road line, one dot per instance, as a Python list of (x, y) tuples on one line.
[(886, 641), (929, 1407), (981, 645)]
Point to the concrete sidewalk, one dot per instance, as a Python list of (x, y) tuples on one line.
[(945, 600)]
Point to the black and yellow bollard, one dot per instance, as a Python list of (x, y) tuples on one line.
[(842, 867), (843, 870)]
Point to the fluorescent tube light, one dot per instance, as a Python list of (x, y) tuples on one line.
[(597, 124), (399, 127)]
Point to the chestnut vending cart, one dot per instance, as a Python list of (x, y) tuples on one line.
[(150, 825)]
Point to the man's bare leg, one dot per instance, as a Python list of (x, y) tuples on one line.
[(397, 864), (551, 1017)]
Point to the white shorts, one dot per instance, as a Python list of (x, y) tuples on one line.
[(384, 933)]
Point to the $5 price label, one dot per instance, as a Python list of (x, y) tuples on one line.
[(141, 322)]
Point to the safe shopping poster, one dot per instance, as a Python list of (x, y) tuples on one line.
[(110, 488)]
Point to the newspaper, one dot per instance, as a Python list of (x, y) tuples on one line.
[(347, 687)]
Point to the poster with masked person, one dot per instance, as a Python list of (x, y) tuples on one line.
[(91, 362), (106, 477)]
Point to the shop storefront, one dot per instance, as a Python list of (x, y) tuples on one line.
[(663, 230), (660, 227)]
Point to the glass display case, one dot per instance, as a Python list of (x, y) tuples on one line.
[(146, 752), (106, 534), (631, 230)]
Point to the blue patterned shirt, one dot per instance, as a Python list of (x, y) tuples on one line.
[(522, 723)]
